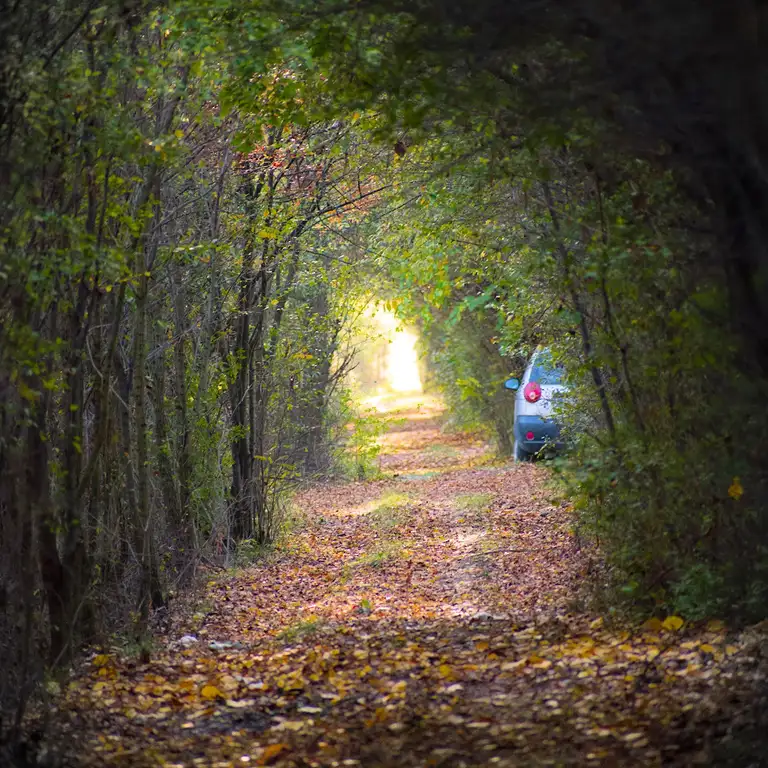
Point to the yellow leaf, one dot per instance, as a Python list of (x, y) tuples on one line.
[(178, 134), (211, 692), (736, 490), (672, 623), (653, 625), (446, 672), (707, 648), (101, 660), (380, 715), (715, 626)]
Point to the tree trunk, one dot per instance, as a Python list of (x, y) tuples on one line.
[(149, 587)]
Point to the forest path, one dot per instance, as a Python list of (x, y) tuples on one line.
[(430, 618)]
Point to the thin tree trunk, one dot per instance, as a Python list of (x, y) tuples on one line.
[(586, 340)]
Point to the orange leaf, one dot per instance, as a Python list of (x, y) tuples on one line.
[(271, 752)]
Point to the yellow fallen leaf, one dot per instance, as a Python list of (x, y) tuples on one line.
[(101, 660), (380, 715), (707, 648), (446, 672), (672, 623), (736, 489), (211, 692), (653, 625)]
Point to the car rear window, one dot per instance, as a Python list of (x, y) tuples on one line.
[(545, 371)]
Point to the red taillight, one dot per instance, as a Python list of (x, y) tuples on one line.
[(532, 391), (529, 435)]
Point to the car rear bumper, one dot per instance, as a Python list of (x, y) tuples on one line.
[(545, 432)]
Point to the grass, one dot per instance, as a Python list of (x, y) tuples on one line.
[(392, 510), (422, 475), (301, 629), (385, 552), (473, 502)]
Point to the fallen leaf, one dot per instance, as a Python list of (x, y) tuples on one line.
[(672, 623), (211, 692), (271, 752)]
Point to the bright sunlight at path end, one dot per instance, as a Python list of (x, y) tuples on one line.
[(402, 366), (429, 618)]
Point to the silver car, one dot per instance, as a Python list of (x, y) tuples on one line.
[(537, 394)]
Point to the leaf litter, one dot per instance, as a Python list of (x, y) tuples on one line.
[(427, 620)]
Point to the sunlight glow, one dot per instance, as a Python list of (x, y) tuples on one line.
[(402, 368)]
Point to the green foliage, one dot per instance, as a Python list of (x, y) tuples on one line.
[(197, 199), (174, 309), (358, 451), (612, 272), (379, 556), (302, 630), (391, 511)]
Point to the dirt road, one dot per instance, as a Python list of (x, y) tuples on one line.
[(431, 618)]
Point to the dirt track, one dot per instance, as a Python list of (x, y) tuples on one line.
[(430, 618)]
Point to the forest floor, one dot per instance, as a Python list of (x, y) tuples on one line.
[(434, 617)]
